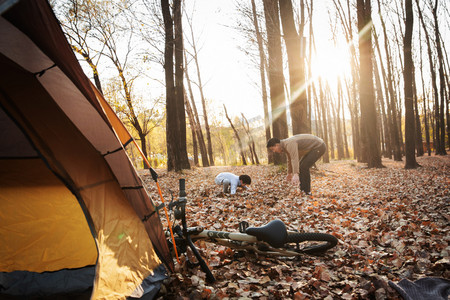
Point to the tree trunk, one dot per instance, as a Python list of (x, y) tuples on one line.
[(262, 68), (387, 136), (425, 118), (433, 80), (347, 153), (250, 137), (193, 125), (367, 99), (418, 134), (198, 128), (244, 162), (182, 161), (170, 83), (317, 119), (339, 139), (394, 129), (91, 64), (310, 86), (276, 78), (205, 113), (326, 156), (328, 108), (408, 81), (298, 102), (440, 114), (175, 112)]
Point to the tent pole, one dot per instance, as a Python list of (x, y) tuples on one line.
[(155, 178)]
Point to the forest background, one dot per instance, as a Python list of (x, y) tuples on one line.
[(207, 82)]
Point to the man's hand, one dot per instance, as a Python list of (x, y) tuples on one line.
[(295, 179), (289, 177)]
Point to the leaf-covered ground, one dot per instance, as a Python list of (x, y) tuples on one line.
[(391, 224)]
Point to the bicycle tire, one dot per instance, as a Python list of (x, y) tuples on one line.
[(325, 241)]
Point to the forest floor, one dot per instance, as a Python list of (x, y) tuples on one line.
[(391, 223)]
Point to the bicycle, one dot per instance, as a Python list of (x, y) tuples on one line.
[(271, 239)]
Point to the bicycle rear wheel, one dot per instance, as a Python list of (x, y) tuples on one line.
[(310, 242)]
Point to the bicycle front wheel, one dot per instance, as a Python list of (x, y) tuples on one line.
[(310, 242)]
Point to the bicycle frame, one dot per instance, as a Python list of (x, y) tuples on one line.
[(240, 241), (270, 239)]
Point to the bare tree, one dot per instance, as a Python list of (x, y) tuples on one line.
[(106, 26), (262, 72), (298, 101), (345, 16), (176, 119), (252, 141), (326, 156), (433, 78), (276, 78), (407, 77), (199, 84), (440, 111), (236, 134), (366, 97), (77, 25), (197, 126), (389, 80), (193, 127)]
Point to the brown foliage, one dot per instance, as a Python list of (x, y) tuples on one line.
[(391, 224)]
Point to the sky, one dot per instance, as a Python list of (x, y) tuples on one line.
[(227, 74)]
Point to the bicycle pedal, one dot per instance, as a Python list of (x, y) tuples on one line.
[(243, 225)]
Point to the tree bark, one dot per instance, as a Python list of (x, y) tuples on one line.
[(198, 128), (339, 138), (262, 68), (386, 111), (425, 104), (385, 124), (202, 96), (276, 78), (175, 111), (418, 133), (436, 131), (440, 114), (394, 128), (326, 156), (298, 101), (244, 162), (367, 99), (193, 126), (410, 162), (252, 141)]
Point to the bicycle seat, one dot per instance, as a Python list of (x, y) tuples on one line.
[(274, 233)]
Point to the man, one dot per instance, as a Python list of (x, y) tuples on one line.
[(302, 151), (230, 181)]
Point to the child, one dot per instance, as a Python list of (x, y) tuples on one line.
[(230, 181)]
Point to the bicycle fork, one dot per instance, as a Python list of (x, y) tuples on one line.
[(200, 261)]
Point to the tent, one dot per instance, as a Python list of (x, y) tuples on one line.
[(74, 215)]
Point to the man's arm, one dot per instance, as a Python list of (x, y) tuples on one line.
[(293, 162)]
